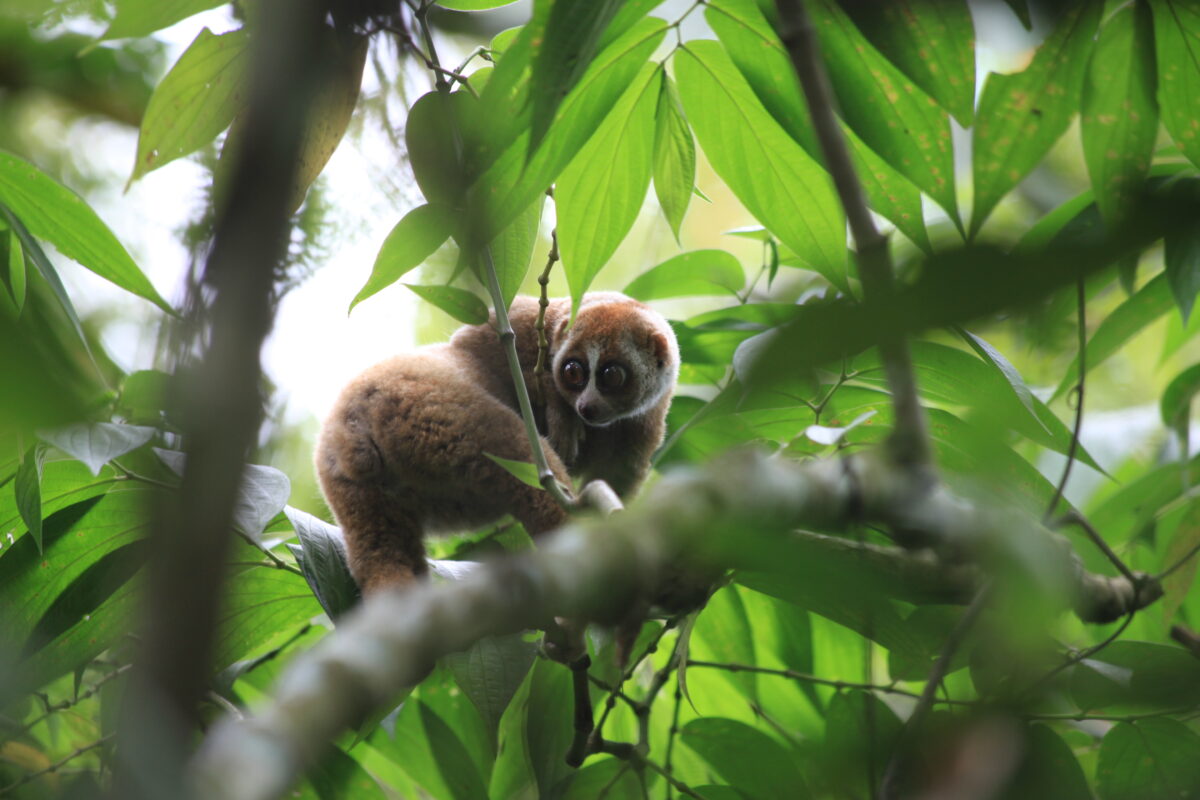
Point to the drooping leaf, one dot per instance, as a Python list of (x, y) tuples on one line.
[(674, 156), (599, 194), (416, 236), (1126, 320), (572, 37), (1022, 115), (16, 270), (523, 471), (143, 17), (97, 443), (195, 101), (1002, 365), (490, 671), (1181, 258), (1148, 758), (473, 5), (700, 272), (1177, 398), (754, 47), (512, 249), (262, 493), (1119, 114), (548, 731), (433, 134), (1048, 771), (888, 111), (932, 42), (785, 189), (44, 268), (745, 757), (53, 212), (1177, 44), (464, 306), (321, 555), (27, 488)]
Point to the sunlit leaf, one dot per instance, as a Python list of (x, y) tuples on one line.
[(195, 101), (416, 236), (600, 192), (512, 249), (16, 270), (789, 193), (1148, 758), (97, 443), (473, 5), (1181, 257), (700, 272), (1021, 115), (860, 734), (27, 488), (1177, 44), (523, 471), (723, 633), (464, 306), (1183, 544), (674, 156), (258, 606), (53, 212), (142, 17), (1119, 115), (745, 757)]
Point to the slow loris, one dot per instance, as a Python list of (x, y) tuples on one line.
[(402, 453)]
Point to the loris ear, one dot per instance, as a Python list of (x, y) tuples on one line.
[(660, 348)]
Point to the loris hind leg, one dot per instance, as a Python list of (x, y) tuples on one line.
[(403, 454)]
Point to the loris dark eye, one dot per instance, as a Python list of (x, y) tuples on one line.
[(612, 376), (574, 374)]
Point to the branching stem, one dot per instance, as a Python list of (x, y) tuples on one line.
[(539, 369)]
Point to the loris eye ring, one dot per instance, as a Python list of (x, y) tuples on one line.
[(574, 374), (612, 376)]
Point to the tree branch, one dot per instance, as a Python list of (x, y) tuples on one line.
[(909, 442), (595, 569)]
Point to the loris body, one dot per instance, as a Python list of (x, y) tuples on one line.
[(402, 453)]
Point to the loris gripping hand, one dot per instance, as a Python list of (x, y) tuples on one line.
[(402, 453)]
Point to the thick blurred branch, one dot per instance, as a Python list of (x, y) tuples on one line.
[(909, 442), (191, 534), (738, 511)]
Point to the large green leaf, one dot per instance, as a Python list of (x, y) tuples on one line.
[(700, 272), (674, 157), (490, 671), (142, 17), (195, 101), (1177, 398), (1181, 259), (1021, 115), (64, 482), (1119, 115), (1126, 321), (321, 555), (1149, 758), (772, 175), (1177, 43), (1139, 676), (860, 734), (1048, 770), (416, 236), (746, 757), (258, 604), (756, 50), (599, 194), (98, 443), (931, 41), (464, 306), (723, 633), (513, 248), (892, 115), (53, 212), (426, 747)]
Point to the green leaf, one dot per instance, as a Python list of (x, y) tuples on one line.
[(674, 157), (415, 238), (1126, 320), (892, 115), (1139, 676), (1003, 366), (723, 633), (336, 775), (745, 757), (932, 42), (433, 755), (490, 671), (259, 607), (195, 101), (53, 212), (512, 181), (599, 194), (753, 46), (27, 488), (1184, 540), (564, 51), (513, 248), (16, 270), (548, 730), (461, 304), (1119, 115), (1048, 771), (1149, 758), (1177, 399), (64, 482), (473, 5), (435, 126), (861, 733), (1177, 43), (523, 471), (97, 443), (700, 272), (38, 256), (143, 17), (1022, 115), (1021, 9), (1181, 258), (773, 177), (321, 555), (262, 493)]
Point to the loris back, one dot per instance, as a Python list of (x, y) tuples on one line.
[(402, 453)]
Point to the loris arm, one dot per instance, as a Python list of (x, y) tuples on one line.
[(620, 454)]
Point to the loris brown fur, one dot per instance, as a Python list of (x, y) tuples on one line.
[(402, 453)]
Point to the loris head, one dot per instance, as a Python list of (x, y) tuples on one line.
[(618, 360)]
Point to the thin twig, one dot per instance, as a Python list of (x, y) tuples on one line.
[(540, 326), (584, 723), (1081, 299), (611, 702), (1084, 654), (1075, 518), (909, 441), (1187, 638), (62, 705), (674, 729), (627, 752), (804, 677), (76, 753), (1188, 556), (889, 787)]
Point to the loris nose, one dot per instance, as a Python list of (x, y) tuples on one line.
[(588, 411)]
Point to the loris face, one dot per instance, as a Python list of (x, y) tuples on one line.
[(617, 361)]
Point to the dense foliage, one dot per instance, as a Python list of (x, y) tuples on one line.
[(793, 682)]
